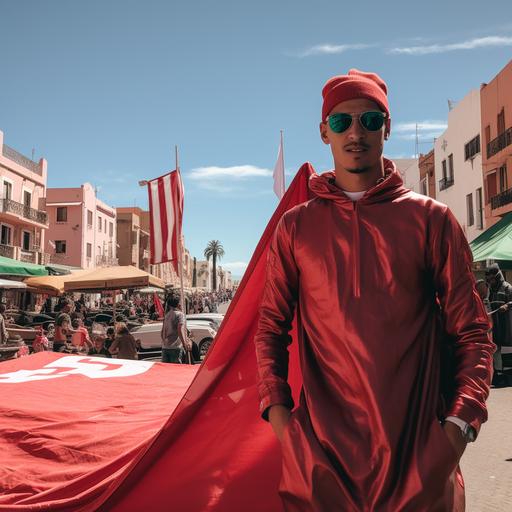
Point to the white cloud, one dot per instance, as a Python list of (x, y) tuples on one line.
[(422, 125), (236, 267), (481, 42), (333, 49), (237, 172)]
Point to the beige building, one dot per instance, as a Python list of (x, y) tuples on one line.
[(132, 238), (458, 165)]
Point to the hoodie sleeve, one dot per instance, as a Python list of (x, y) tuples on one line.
[(465, 319), (276, 314)]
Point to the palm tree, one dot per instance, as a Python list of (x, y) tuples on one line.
[(194, 274), (215, 251)]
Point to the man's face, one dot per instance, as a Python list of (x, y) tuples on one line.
[(356, 150)]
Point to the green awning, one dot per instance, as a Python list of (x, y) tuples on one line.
[(10, 267), (494, 243)]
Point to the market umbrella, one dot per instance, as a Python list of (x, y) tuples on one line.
[(6, 284), (111, 278), (494, 243), (10, 267), (52, 285)]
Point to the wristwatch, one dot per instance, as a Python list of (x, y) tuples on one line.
[(469, 433)]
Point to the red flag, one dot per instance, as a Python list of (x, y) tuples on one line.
[(165, 204), (158, 305)]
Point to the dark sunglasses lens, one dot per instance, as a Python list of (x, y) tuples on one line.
[(340, 122), (372, 121)]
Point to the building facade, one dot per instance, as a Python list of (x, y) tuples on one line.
[(427, 165), (458, 165), (23, 219), (82, 229), (409, 170), (132, 238), (496, 128)]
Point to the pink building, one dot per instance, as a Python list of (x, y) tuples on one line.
[(82, 229), (23, 220)]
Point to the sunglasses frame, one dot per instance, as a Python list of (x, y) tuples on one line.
[(358, 115)]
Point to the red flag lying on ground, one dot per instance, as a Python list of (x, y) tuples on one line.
[(214, 452), (165, 217)]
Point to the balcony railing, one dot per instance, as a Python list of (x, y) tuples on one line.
[(500, 142), (501, 199), (10, 206), (106, 261), (444, 183), (20, 159), (7, 251)]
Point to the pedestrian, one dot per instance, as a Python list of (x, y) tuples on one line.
[(98, 348), (111, 336), (124, 345), (381, 277), (62, 331), (80, 337), (4, 335), (500, 294), (174, 337)]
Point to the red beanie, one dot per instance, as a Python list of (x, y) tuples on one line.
[(357, 84)]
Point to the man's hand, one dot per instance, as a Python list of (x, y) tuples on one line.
[(504, 308), (187, 344), (279, 416), (455, 436)]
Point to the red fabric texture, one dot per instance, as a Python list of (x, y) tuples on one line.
[(356, 84), (158, 305), (70, 430)]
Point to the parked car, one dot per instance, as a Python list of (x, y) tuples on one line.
[(215, 318), (201, 333)]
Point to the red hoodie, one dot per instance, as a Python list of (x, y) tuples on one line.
[(365, 277)]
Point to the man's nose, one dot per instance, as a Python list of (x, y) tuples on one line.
[(356, 131)]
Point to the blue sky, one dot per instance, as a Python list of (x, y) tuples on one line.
[(105, 89)]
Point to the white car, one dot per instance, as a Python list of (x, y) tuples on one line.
[(214, 318), (202, 334)]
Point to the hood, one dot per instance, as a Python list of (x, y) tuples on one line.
[(495, 271), (392, 186)]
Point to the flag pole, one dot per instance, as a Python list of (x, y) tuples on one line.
[(180, 252), (282, 155)]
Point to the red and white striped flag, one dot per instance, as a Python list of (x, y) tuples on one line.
[(165, 202)]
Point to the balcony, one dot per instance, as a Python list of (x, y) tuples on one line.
[(106, 261), (10, 206), (501, 199), (446, 183), (17, 253), (499, 143), (20, 159)]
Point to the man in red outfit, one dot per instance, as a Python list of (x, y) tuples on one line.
[(380, 279)]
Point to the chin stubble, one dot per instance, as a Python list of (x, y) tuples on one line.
[(358, 170)]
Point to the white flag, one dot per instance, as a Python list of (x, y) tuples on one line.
[(279, 172)]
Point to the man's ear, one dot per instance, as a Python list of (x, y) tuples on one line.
[(323, 133)]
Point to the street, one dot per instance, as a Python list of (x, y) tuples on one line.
[(487, 464)]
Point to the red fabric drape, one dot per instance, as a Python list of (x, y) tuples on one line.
[(216, 453)]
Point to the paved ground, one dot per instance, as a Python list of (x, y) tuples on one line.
[(487, 464), (224, 307)]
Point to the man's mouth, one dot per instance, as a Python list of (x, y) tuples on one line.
[(356, 149)]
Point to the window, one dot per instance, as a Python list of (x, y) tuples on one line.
[(110, 229), (25, 241), (450, 167), (492, 186), (503, 178), (27, 198), (60, 246), (501, 122), (444, 169), (89, 218), (487, 134), (479, 209), (423, 186), (5, 238), (89, 250), (472, 148), (62, 214), (99, 224), (469, 209), (7, 190), (98, 253)]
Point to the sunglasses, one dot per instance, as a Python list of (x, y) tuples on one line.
[(371, 121)]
